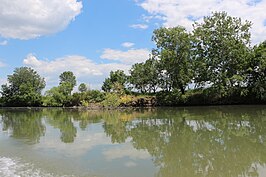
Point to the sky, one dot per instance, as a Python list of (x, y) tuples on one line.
[(93, 37)]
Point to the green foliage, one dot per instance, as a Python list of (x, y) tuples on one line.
[(169, 98), (138, 77), (145, 77), (216, 57), (68, 79), (83, 87), (61, 95), (257, 71), (87, 98), (116, 78), (94, 96), (221, 51), (54, 97), (111, 100), (107, 85), (23, 89), (173, 50)]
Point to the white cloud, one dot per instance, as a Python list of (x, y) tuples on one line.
[(128, 44), (184, 13), (86, 142), (2, 64), (139, 26), (84, 69), (3, 42), (126, 150), (29, 19), (128, 57)]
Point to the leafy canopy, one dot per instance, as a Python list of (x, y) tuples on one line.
[(24, 88)]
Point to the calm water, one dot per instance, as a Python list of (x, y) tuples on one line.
[(167, 142)]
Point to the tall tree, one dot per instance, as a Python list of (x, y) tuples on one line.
[(221, 51), (23, 89), (173, 50), (68, 79)]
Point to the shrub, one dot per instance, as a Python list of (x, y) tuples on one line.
[(111, 100), (94, 96)]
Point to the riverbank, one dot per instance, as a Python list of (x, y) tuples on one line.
[(161, 99)]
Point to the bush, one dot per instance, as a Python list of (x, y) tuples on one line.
[(169, 98), (94, 96), (111, 100), (85, 98), (127, 100)]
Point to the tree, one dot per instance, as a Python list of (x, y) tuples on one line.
[(23, 89), (257, 71), (83, 87), (173, 50), (68, 78), (221, 51), (145, 76), (61, 95), (138, 77), (117, 79), (107, 85), (54, 97)]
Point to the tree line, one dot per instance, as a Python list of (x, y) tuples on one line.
[(215, 61), (213, 64)]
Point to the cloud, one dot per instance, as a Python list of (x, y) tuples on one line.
[(84, 69), (184, 13), (2, 64), (29, 19), (128, 57), (126, 151), (3, 42), (128, 44), (139, 26), (86, 141)]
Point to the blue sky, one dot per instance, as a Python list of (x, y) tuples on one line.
[(93, 37)]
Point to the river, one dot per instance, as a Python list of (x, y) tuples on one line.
[(213, 141)]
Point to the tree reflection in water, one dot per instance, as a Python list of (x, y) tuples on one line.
[(23, 124), (214, 141), (198, 141)]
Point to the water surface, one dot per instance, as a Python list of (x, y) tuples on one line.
[(164, 142)]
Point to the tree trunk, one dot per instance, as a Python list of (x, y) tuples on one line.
[(182, 90)]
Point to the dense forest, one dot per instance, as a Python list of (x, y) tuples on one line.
[(215, 63)]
